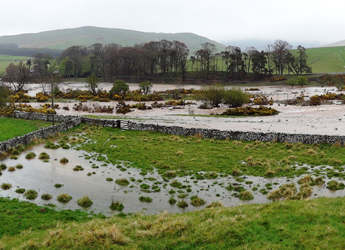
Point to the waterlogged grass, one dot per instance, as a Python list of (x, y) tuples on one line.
[(177, 155), (11, 127)]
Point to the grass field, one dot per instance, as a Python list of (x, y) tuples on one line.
[(5, 60), (188, 155), (307, 224), (327, 60), (10, 127), (322, 60)]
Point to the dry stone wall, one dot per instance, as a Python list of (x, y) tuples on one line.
[(67, 122), (239, 135)]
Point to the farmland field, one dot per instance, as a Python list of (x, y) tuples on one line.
[(5, 60)]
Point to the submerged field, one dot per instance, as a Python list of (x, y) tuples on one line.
[(304, 224)]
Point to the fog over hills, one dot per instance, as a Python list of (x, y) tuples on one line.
[(262, 44), (336, 44)]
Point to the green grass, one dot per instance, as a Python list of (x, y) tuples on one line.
[(188, 155), (311, 224), (11, 127), (326, 60), (5, 60), (17, 216)]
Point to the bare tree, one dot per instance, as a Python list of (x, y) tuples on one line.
[(281, 50), (17, 75), (206, 54)]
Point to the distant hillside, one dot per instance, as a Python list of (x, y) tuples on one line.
[(64, 38), (336, 44), (326, 59)]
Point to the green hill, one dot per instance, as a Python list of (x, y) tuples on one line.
[(64, 38), (327, 59)]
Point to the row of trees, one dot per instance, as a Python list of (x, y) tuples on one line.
[(165, 58), (162, 59)]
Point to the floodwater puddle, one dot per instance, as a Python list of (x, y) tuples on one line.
[(97, 180)]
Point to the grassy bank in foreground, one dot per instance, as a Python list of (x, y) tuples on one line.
[(311, 224), (17, 216), (188, 155), (11, 127)]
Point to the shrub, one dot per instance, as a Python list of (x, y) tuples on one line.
[(235, 97), (277, 78), (119, 88), (315, 100), (64, 198), (211, 95), (31, 194), (109, 179), (250, 111), (85, 201)]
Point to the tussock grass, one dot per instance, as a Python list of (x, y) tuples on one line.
[(64, 198), (6, 186), (246, 195), (122, 182), (64, 160), (30, 156), (46, 197), (31, 194), (85, 201), (44, 156), (306, 224), (11, 169), (116, 205)]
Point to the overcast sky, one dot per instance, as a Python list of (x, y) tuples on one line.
[(219, 20)]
